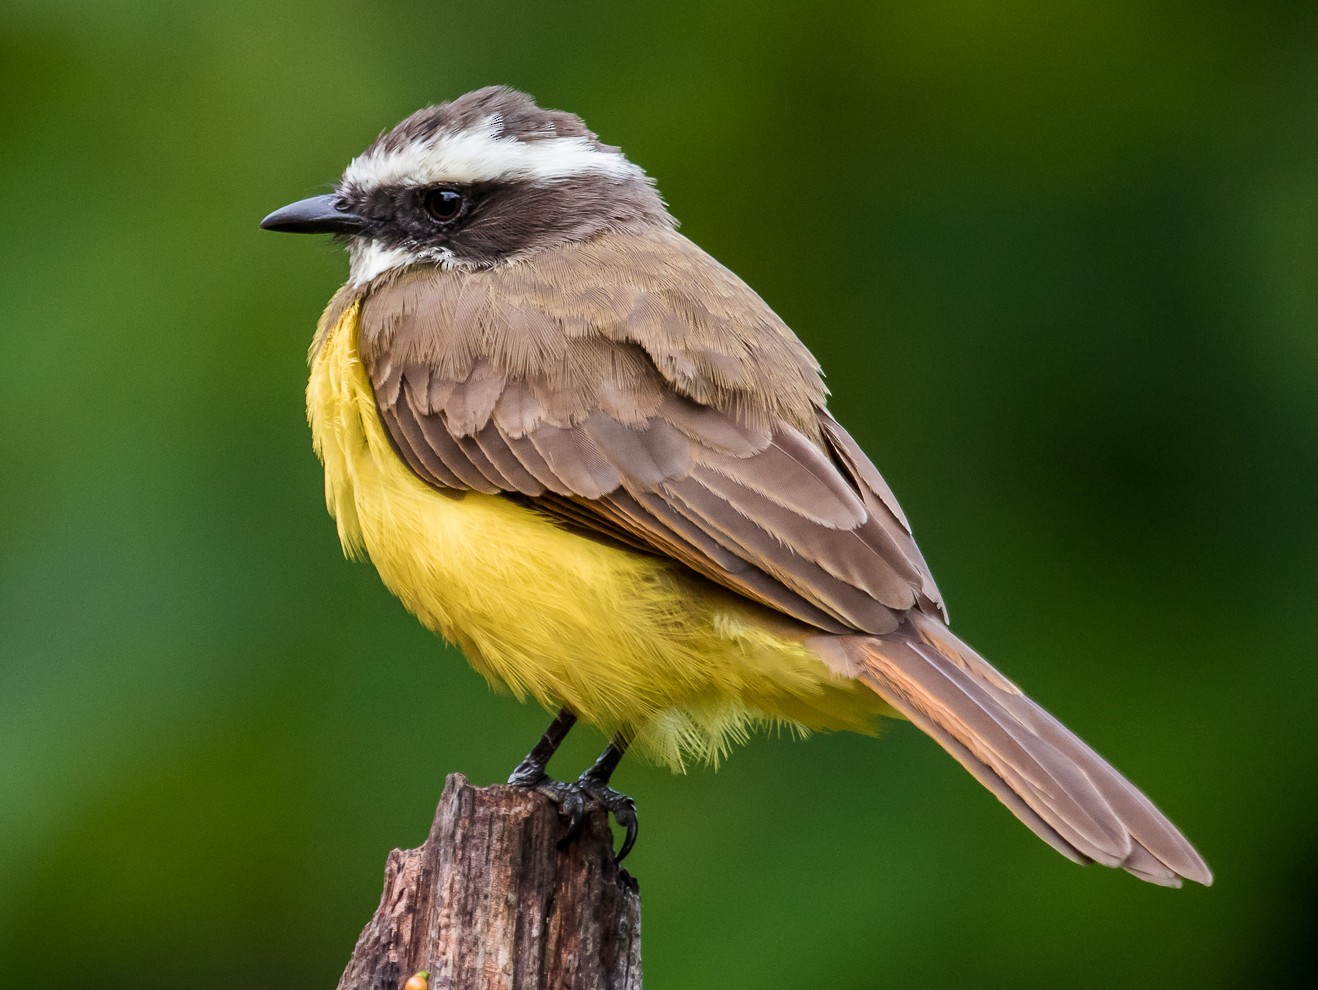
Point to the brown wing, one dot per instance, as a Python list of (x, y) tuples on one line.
[(634, 388)]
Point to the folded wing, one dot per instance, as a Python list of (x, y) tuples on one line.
[(641, 411)]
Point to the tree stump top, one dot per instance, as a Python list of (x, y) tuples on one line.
[(490, 901)]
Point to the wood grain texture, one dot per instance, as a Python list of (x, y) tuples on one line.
[(489, 902)]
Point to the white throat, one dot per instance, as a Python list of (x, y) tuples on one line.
[(368, 259)]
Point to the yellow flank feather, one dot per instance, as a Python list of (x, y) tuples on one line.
[(629, 641)]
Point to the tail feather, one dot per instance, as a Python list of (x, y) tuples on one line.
[(1064, 791)]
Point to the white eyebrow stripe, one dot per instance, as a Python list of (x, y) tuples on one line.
[(478, 155)]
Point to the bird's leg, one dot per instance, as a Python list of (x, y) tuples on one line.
[(531, 771), (602, 771), (594, 783)]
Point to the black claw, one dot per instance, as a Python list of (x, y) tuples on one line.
[(571, 799), (626, 817), (574, 806), (619, 805)]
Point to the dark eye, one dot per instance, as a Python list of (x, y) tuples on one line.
[(443, 205)]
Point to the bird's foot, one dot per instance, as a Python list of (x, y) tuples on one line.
[(571, 799), (529, 774)]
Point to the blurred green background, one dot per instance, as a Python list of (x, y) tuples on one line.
[(1061, 262)]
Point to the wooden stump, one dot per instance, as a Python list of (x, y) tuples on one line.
[(489, 902)]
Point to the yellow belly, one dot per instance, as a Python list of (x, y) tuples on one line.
[(630, 642)]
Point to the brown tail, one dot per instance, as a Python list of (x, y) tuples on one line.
[(1038, 768)]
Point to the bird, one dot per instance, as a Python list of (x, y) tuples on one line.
[(579, 448)]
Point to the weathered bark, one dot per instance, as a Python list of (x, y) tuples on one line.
[(489, 902)]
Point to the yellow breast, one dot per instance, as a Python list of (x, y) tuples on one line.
[(631, 642)]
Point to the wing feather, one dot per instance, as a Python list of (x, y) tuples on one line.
[(516, 475), (767, 550), (411, 442), (795, 474), (575, 460)]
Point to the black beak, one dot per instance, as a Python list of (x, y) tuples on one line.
[(317, 215)]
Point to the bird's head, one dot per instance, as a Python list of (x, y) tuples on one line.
[(487, 179)]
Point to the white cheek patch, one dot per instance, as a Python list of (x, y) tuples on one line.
[(367, 259), (478, 155)]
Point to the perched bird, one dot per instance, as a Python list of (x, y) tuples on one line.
[(575, 445)]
